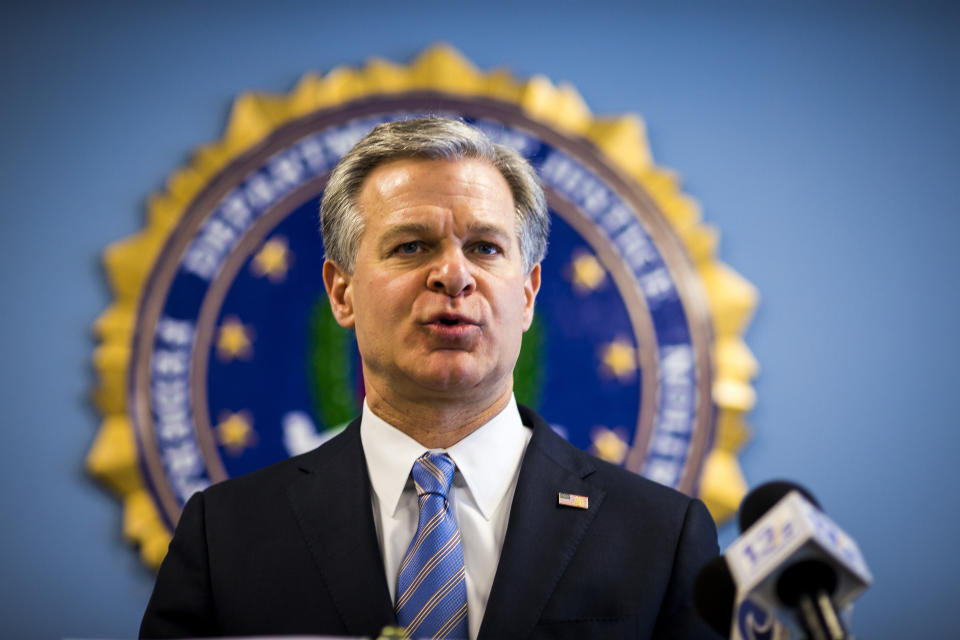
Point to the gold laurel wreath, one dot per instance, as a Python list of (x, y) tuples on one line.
[(113, 455)]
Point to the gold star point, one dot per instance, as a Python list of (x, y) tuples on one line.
[(620, 359), (587, 273), (272, 260), (234, 340), (609, 445), (235, 431)]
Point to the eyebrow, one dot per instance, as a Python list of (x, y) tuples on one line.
[(488, 229), (406, 228), (419, 228)]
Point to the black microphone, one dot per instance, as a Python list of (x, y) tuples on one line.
[(714, 595), (764, 497), (794, 560), (715, 599)]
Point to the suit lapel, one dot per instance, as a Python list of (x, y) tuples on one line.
[(331, 501), (541, 535)]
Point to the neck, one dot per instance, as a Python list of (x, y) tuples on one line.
[(436, 425)]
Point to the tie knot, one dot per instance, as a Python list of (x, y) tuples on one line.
[(433, 473)]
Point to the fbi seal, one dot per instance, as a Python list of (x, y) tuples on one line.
[(219, 354)]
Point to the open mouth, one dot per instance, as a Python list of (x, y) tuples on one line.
[(452, 327), (451, 320)]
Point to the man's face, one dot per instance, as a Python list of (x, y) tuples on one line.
[(438, 297)]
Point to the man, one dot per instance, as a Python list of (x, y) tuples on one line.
[(439, 508)]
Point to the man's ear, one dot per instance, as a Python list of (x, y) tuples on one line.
[(340, 293), (530, 288)]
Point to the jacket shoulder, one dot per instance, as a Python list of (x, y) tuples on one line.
[(274, 477), (631, 502)]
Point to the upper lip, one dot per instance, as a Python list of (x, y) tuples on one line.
[(447, 317)]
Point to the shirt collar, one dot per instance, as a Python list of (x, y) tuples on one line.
[(487, 459)]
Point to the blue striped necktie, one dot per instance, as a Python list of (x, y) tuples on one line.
[(431, 588)]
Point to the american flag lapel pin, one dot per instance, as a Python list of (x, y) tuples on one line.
[(572, 500)]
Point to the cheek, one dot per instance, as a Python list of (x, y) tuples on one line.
[(514, 301), (387, 297), (511, 315)]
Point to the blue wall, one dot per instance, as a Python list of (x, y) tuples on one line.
[(822, 140)]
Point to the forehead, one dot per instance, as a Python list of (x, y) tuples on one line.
[(409, 188)]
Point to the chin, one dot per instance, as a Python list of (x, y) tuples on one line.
[(450, 374), (449, 380)]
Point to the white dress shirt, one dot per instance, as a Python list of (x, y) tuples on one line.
[(488, 464)]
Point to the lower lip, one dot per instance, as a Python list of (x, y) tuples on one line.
[(452, 332)]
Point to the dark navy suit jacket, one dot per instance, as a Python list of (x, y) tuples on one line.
[(292, 549)]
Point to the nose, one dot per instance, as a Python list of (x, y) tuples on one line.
[(451, 274)]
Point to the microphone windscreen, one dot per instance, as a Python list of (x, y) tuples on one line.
[(714, 595), (804, 578), (764, 497)]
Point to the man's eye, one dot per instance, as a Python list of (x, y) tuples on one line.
[(487, 249), (407, 248)]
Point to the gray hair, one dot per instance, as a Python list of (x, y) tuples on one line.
[(429, 138)]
